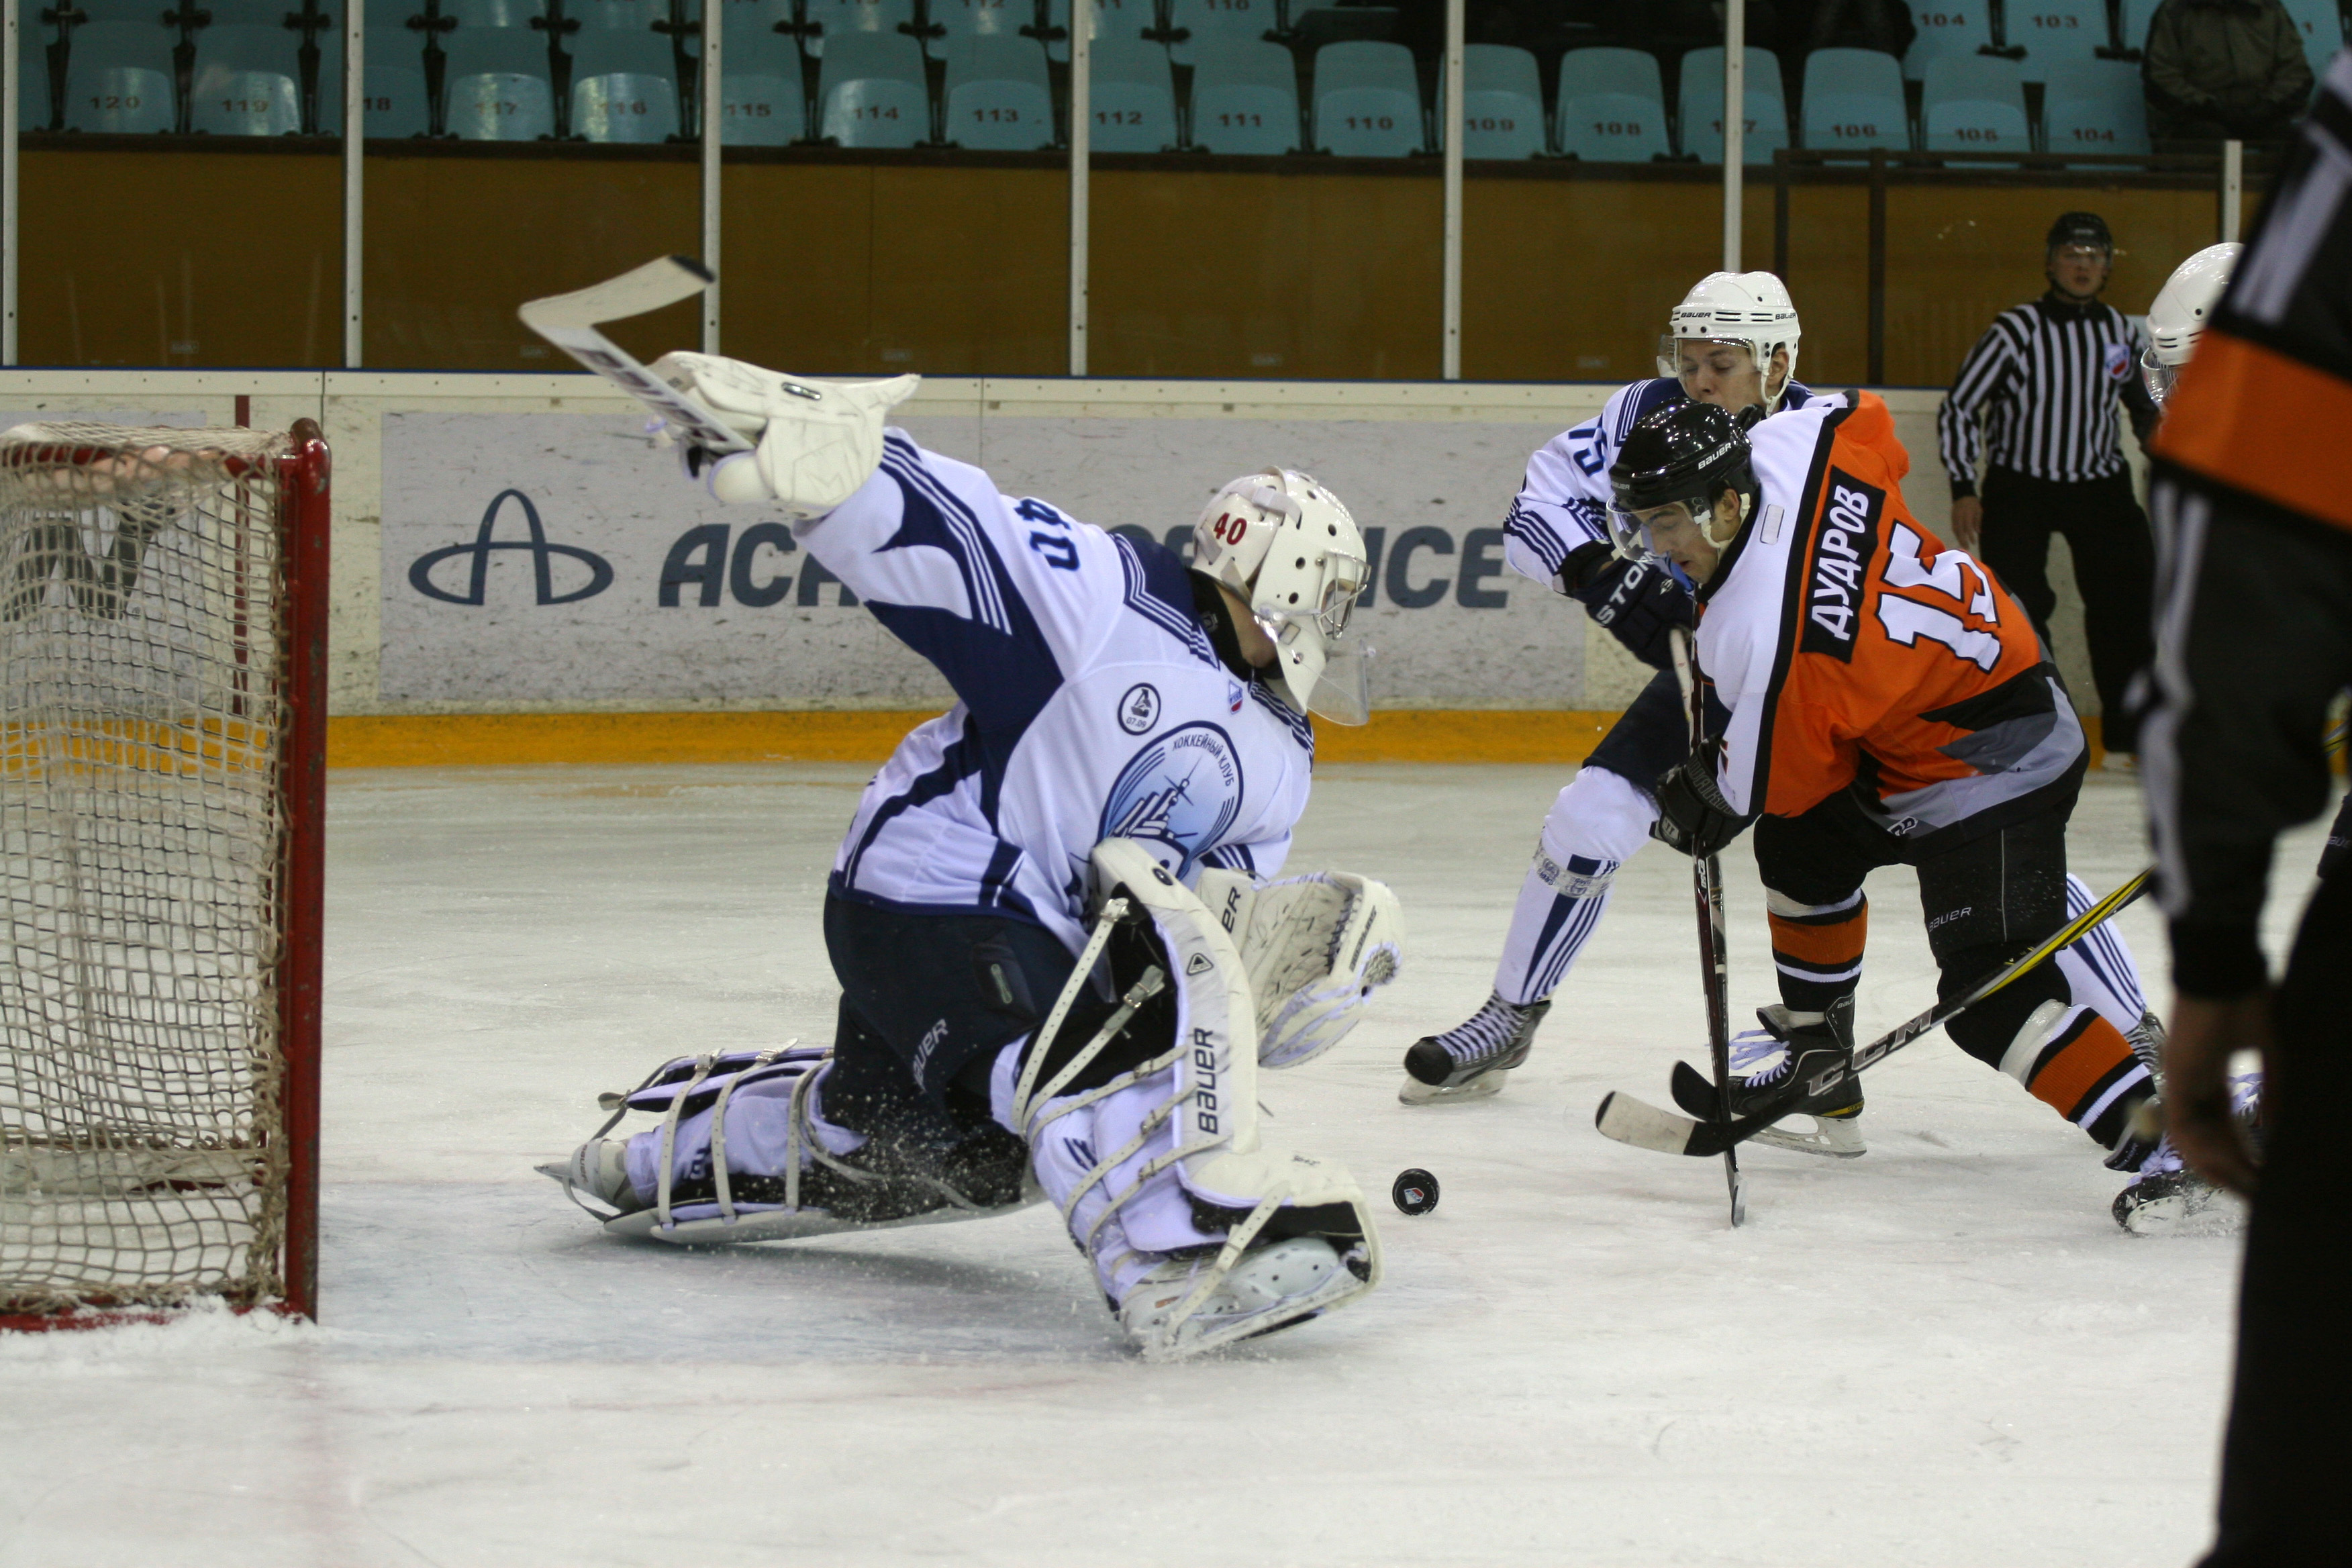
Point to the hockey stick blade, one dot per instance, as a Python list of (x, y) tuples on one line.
[(1629, 1121), (1695, 1092), (569, 322)]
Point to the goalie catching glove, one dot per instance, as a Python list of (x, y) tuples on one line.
[(1314, 947), (815, 442)]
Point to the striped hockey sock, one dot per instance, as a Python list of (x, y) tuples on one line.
[(2079, 1064), (1817, 948)]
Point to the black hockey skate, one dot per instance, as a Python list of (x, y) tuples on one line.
[(2168, 1198), (1468, 1061), (1810, 1073)]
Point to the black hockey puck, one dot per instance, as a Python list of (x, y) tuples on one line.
[(1415, 1190)]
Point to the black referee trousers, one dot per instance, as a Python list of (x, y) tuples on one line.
[(2282, 1460), (2115, 567)]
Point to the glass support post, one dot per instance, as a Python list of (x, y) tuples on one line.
[(354, 176), (1082, 27), (2234, 187), (1451, 132), (1735, 127), (714, 44), (8, 61)]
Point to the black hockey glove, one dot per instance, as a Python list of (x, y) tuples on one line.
[(1692, 815), (1638, 601)]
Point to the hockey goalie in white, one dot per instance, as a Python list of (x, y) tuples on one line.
[(1062, 960)]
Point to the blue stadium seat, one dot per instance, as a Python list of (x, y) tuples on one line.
[(2131, 23), (1974, 103), (33, 82), (1367, 101), (1613, 107), (836, 18), (1702, 106), (872, 92), (760, 104), (1853, 97), (1502, 103), (1113, 19), (623, 87), (997, 93), (1945, 31), (395, 96), (2094, 106), (2054, 33), (145, 13), (1216, 23), (1245, 99), (496, 84), (2322, 26), (481, 15), (1133, 96), (120, 77), (265, 13), (246, 82), (982, 18)]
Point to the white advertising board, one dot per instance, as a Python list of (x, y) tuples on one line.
[(553, 558)]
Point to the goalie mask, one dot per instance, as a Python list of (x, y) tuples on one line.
[(2178, 315), (1738, 309), (1287, 546)]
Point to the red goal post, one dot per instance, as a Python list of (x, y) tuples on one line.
[(163, 791)]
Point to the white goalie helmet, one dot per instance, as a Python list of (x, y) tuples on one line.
[(1287, 546), (2178, 315), (1751, 308)]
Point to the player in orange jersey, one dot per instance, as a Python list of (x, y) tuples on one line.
[(1889, 702)]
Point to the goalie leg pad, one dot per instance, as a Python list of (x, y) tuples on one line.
[(1159, 1173)]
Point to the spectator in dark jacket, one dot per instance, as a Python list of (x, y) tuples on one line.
[(2216, 69)]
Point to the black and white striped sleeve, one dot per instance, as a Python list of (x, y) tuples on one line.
[(1985, 377)]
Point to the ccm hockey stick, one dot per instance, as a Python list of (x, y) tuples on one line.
[(1630, 1120), (569, 322), (1714, 977)]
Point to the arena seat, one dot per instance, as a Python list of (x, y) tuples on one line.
[(623, 87), (248, 82), (872, 92), (1974, 103), (1133, 96), (615, 16), (1113, 19), (1613, 107), (1854, 99), (1766, 119), (831, 19), (1502, 103), (119, 77), (497, 85), (2054, 33), (2322, 26), (394, 93), (33, 84), (997, 94), (2094, 106), (760, 104), (1945, 32), (1367, 101), (981, 18), (1245, 99), (492, 14), (1214, 25)]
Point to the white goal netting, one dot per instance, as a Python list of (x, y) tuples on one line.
[(143, 719)]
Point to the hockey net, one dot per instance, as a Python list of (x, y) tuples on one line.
[(162, 751)]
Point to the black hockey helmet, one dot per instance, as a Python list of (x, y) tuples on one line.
[(2080, 228), (1690, 453)]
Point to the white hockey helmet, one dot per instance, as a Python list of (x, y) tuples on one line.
[(1287, 546), (2179, 314), (1751, 308)]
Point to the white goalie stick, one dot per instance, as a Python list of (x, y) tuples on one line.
[(569, 322)]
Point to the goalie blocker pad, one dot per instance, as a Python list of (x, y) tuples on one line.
[(1315, 949)]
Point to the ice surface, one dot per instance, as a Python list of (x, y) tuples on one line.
[(1942, 1353)]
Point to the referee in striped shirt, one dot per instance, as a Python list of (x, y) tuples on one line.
[(2045, 378)]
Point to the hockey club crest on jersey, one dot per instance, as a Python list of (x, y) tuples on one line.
[(1838, 573), (1178, 794), (1139, 710)]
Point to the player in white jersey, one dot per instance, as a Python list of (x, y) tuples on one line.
[(1732, 342), (1036, 999)]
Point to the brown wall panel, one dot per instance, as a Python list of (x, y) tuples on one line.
[(453, 244), (835, 269), (1285, 275), (180, 258)]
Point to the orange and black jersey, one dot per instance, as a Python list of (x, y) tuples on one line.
[(1855, 650)]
